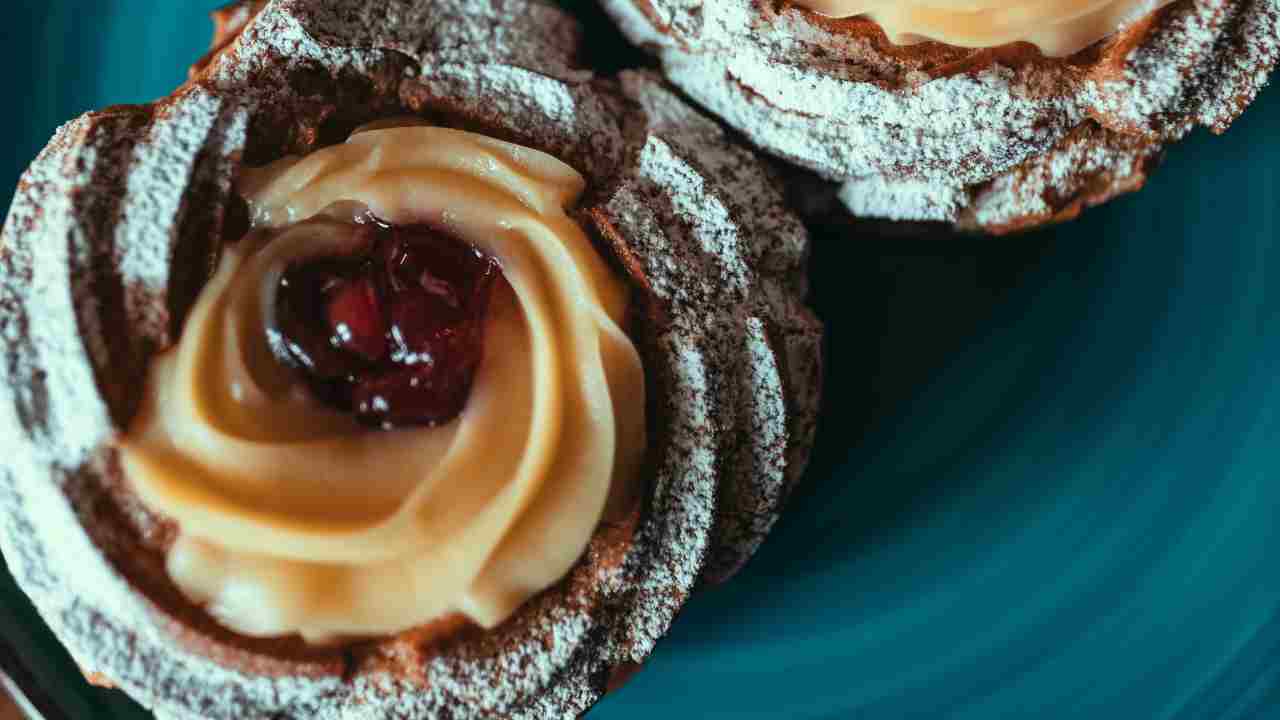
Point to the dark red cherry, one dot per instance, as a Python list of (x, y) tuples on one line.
[(413, 395), (356, 322), (302, 335), (394, 335)]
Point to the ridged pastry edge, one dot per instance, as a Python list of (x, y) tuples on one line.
[(946, 146), (85, 275)]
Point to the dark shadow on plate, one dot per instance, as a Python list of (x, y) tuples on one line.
[(897, 309), (604, 50), (914, 321), (918, 321)]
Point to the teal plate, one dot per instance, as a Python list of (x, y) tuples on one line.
[(1046, 482)]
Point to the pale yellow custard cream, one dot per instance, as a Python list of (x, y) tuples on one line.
[(295, 519), (1057, 27)]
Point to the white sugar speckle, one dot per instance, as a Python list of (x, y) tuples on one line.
[(90, 261), (907, 145)]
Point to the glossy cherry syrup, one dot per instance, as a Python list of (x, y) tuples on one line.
[(394, 335)]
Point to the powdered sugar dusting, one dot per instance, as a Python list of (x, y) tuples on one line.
[(1159, 76), (911, 142), (161, 168), (905, 199), (128, 200), (1086, 168)]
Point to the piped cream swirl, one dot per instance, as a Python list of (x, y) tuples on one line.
[(294, 519), (1057, 27)]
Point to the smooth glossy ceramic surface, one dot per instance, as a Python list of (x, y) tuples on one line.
[(1046, 483)]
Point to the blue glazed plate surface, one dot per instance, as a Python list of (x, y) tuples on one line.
[(1046, 484)]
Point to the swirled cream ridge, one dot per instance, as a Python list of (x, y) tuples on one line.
[(1057, 27), (295, 519)]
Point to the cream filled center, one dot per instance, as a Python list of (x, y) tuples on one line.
[(1057, 27), (293, 518)]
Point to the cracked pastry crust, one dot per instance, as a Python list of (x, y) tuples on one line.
[(995, 139), (119, 221)]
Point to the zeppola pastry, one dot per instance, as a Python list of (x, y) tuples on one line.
[(988, 114), (393, 366)]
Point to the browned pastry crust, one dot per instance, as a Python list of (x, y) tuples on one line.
[(119, 221), (993, 139)]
